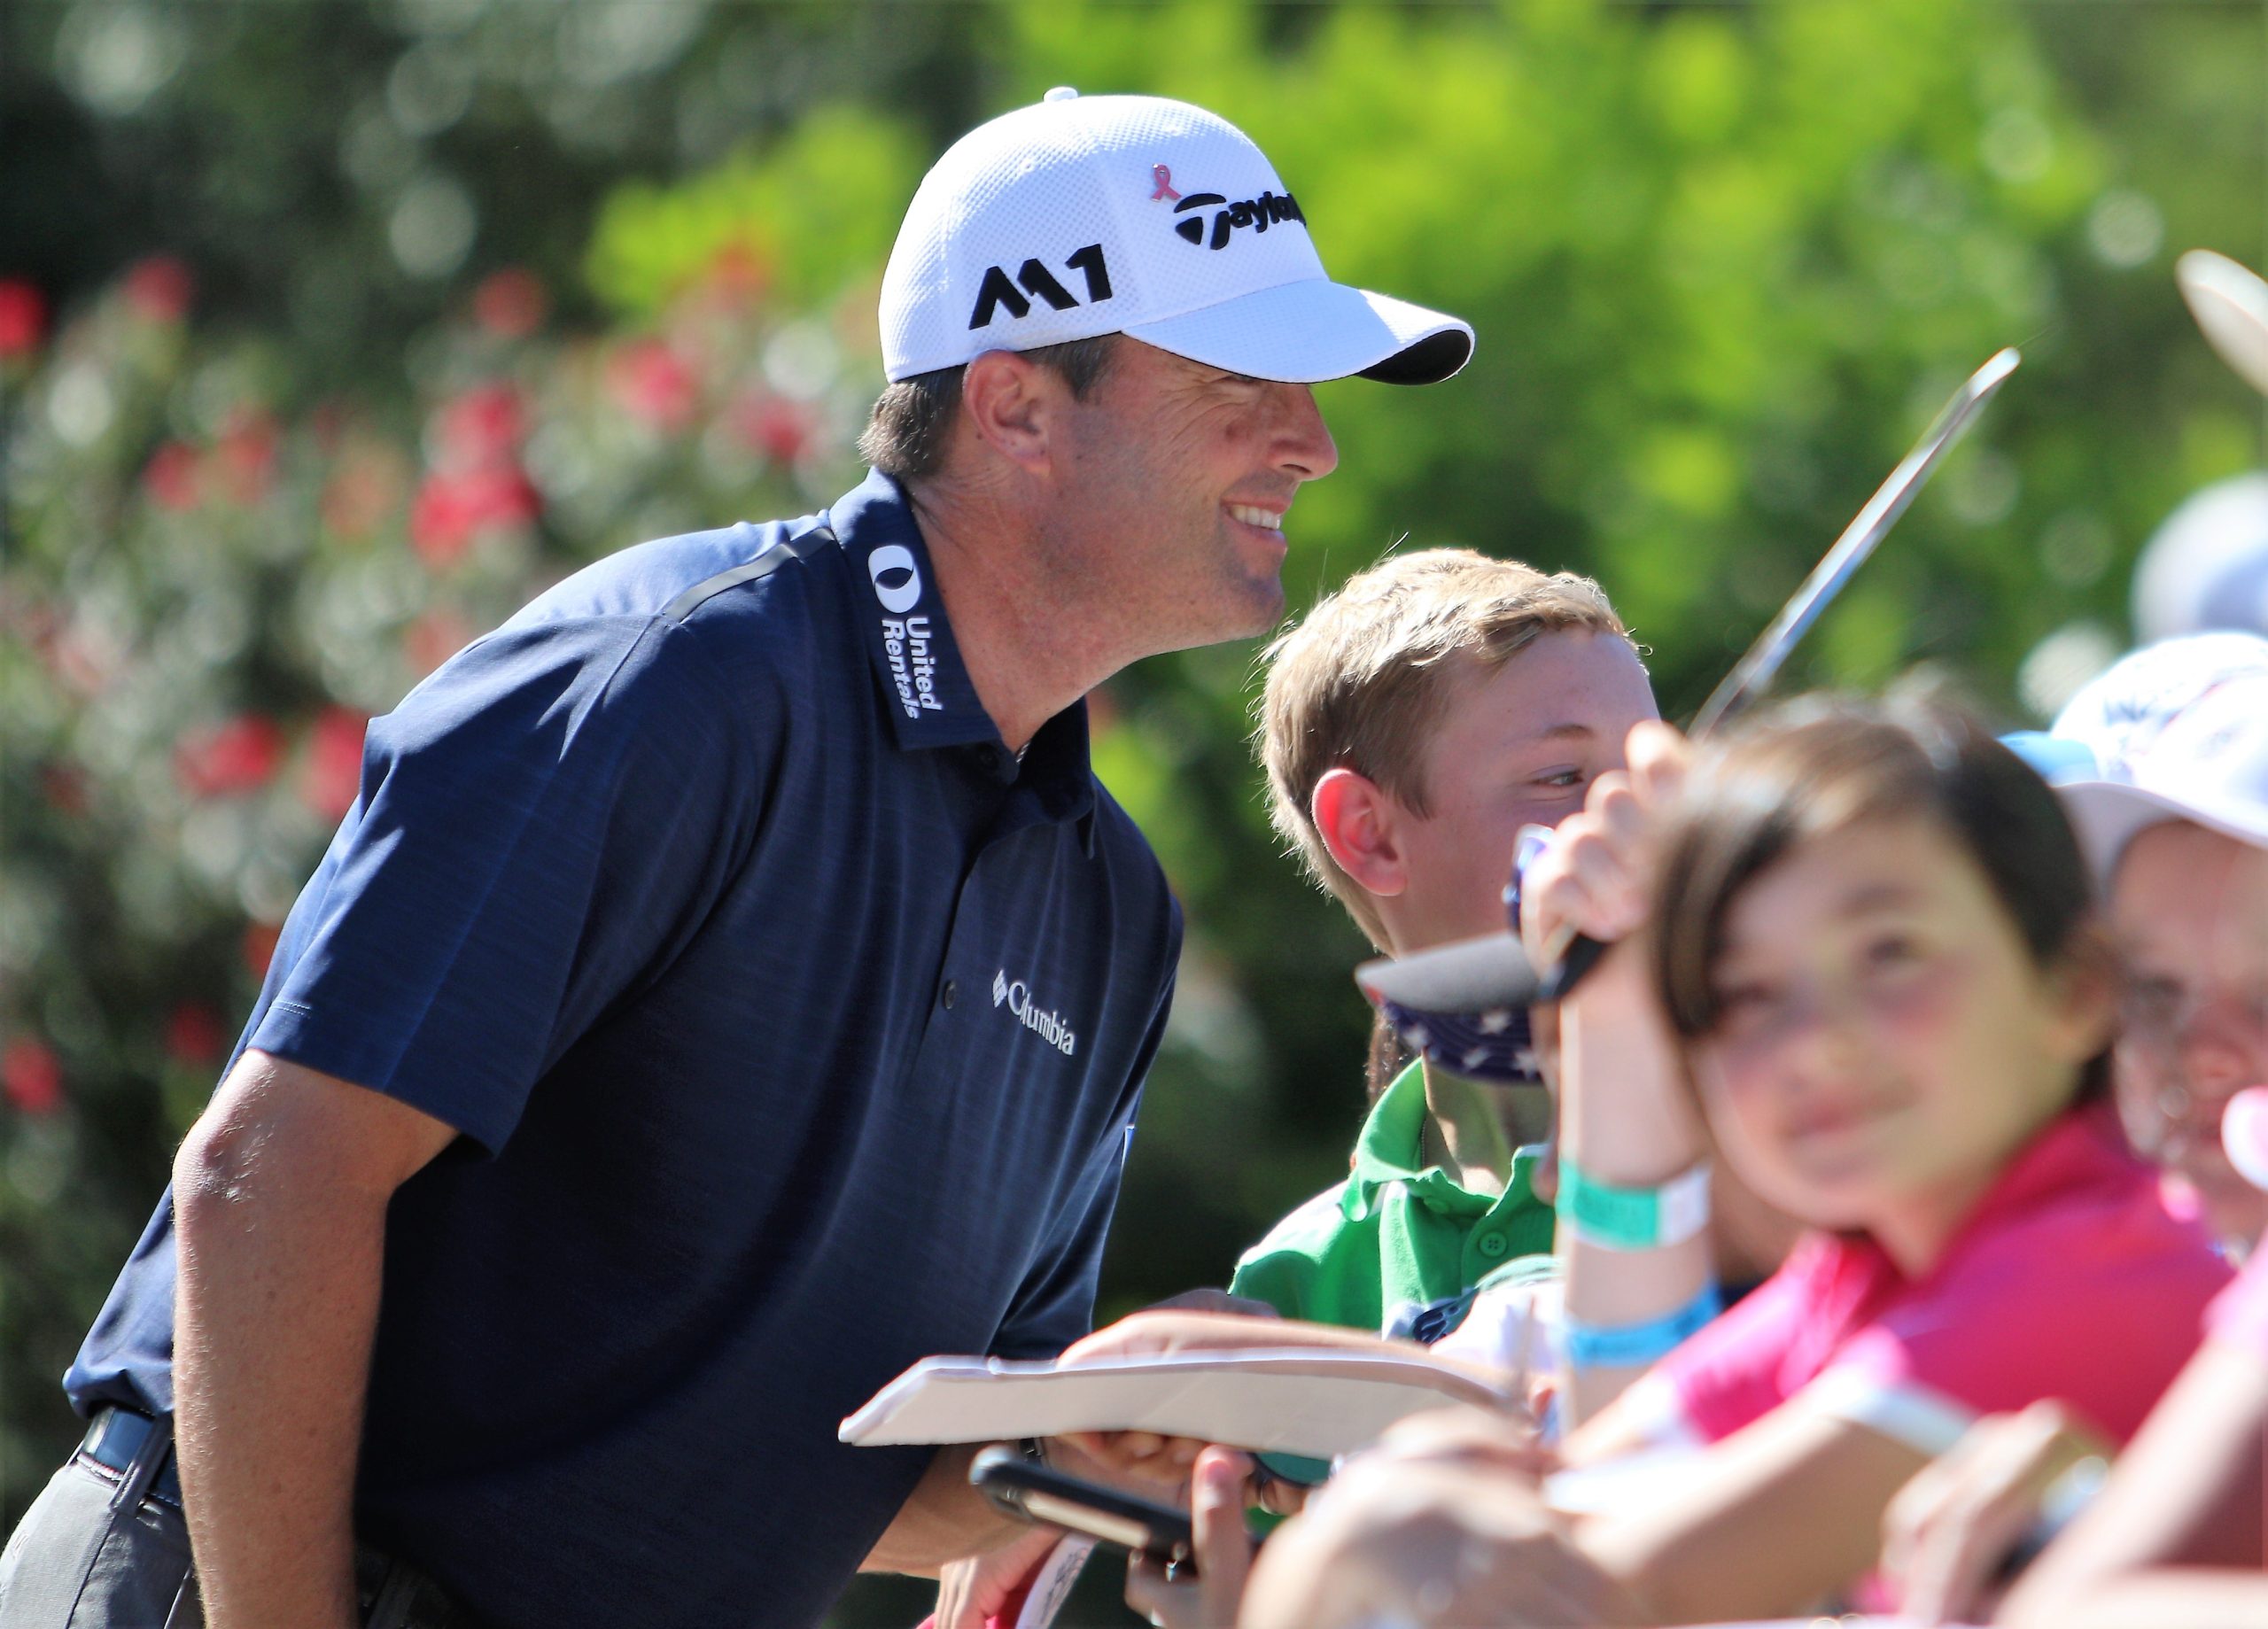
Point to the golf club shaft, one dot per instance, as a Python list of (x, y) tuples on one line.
[(1754, 671)]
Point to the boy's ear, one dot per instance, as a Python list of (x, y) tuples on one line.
[(1357, 818)]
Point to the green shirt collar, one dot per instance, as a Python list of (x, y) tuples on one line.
[(1390, 1151)]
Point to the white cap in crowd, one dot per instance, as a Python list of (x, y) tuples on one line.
[(2207, 566), (1087, 215), (2178, 731)]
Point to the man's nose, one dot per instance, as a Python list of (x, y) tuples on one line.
[(1302, 447)]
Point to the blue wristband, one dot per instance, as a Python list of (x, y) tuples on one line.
[(1632, 1345)]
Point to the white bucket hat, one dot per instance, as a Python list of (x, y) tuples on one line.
[(1088, 215)]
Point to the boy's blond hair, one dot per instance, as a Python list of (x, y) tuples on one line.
[(1361, 683)]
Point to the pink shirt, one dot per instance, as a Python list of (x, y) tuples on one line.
[(2069, 1280), (2239, 1315)]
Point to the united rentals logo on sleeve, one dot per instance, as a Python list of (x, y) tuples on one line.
[(905, 638), (1016, 995)]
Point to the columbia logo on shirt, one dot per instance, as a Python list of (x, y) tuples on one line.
[(1016, 995)]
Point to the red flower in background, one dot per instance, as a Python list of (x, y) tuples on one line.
[(434, 638), (158, 289), (31, 1076), (360, 493), (654, 384), (245, 456), (258, 946), (194, 1036), (334, 771), (481, 428), (64, 786), (240, 755), (779, 428), (450, 510), (737, 276), (23, 317), (171, 478), (511, 304)]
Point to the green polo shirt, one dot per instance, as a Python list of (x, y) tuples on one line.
[(1396, 1230)]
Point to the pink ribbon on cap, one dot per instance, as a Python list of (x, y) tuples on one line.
[(1163, 176)]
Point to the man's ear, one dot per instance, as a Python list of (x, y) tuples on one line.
[(1011, 403), (1358, 820)]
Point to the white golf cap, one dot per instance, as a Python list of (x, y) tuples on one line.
[(2207, 566), (2177, 731), (1087, 215)]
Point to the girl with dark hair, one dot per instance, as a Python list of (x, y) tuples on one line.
[(1867, 927)]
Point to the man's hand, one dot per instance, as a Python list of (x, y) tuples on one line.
[(1207, 1298), (1160, 1333), (279, 1196)]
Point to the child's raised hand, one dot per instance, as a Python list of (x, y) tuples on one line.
[(1946, 1533), (1221, 1487), (1595, 876)]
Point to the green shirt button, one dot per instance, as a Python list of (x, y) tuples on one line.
[(1491, 1244)]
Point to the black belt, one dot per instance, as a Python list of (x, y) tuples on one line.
[(116, 1441), (392, 1592)]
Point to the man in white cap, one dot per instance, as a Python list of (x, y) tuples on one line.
[(731, 984)]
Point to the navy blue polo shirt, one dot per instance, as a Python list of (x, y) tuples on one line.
[(793, 1030)]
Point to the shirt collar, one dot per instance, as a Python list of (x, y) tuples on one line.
[(2081, 1149), (1390, 1151), (919, 676), (924, 688)]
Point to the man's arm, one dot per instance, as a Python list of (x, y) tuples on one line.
[(944, 1519), (280, 1195)]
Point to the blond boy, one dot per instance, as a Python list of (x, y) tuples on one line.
[(1410, 726)]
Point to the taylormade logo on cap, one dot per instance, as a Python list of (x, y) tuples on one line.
[(1088, 215)]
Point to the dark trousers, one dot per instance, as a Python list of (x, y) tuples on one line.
[(92, 1555)]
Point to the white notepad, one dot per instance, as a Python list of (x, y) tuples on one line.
[(1316, 1403)]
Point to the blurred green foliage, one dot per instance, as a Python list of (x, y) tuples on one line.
[(487, 287)]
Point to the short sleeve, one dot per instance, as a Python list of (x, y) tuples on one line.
[(1055, 1304), (2098, 1312), (1733, 1372), (541, 823), (1284, 1269)]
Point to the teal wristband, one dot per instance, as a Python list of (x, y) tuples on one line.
[(1633, 1218), (1634, 1345)]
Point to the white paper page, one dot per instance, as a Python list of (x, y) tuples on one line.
[(1309, 1402)]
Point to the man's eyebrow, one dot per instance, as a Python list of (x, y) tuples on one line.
[(1563, 731)]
